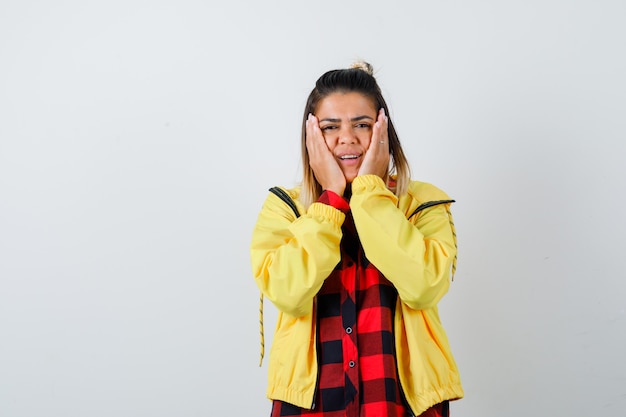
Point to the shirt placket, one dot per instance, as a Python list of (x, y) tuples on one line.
[(349, 340)]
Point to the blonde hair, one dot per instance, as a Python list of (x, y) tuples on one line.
[(358, 78)]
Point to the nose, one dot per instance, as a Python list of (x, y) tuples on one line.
[(347, 136)]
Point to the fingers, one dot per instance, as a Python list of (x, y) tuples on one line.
[(322, 161), (315, 143), (376, 159), (380, 137)]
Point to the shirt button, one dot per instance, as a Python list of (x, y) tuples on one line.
[(348, 330), (351, 364)]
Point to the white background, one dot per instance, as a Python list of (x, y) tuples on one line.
[(138, 140)]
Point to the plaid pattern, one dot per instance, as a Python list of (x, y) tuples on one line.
[(357, 363)]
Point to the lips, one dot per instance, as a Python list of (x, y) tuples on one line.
[(349, 156)]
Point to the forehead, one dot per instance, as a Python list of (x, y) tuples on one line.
[(348, 104)]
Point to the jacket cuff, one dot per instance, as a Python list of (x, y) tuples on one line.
[(333, 199), (327, 212), (367, 182)]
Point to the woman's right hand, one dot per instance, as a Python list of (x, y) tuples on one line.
[(325, 167)]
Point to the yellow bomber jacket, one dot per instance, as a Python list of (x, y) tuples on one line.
[(292, 256)]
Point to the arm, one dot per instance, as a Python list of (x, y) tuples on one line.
[(416, 256), (292, 257)]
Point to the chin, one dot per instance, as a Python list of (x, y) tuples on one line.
[(350, 176)]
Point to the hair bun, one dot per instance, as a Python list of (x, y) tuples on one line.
[(363, 66)]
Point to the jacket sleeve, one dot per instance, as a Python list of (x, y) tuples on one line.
[(291, 257), (416, 255)]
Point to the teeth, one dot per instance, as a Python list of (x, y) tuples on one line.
[(348, 157)]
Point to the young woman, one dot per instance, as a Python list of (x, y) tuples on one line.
[(356, 260)]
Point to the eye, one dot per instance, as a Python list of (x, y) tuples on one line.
[(362, 125), (328, 127)]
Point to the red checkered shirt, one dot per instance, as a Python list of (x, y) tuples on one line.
[(356, 354)]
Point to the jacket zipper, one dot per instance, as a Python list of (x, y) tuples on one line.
[(317, 378), (406, 402)]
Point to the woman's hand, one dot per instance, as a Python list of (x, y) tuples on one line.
[(325, 167), (376, 159)]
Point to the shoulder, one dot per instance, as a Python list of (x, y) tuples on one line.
[(284, 202), (421, 195), (293, 193), (423, 192)]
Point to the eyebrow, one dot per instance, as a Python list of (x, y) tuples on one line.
[(354, 119)]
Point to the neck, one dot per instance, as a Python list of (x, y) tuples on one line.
[(348, 191)]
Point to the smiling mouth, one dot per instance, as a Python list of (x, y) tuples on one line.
[(345, 157)]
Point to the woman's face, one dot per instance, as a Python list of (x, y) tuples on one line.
[(346, 121)]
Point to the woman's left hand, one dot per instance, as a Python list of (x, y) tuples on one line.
[(376, 160)]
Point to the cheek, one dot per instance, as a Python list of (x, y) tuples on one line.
[(366, 139)]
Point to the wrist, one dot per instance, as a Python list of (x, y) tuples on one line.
[(337, 189)]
